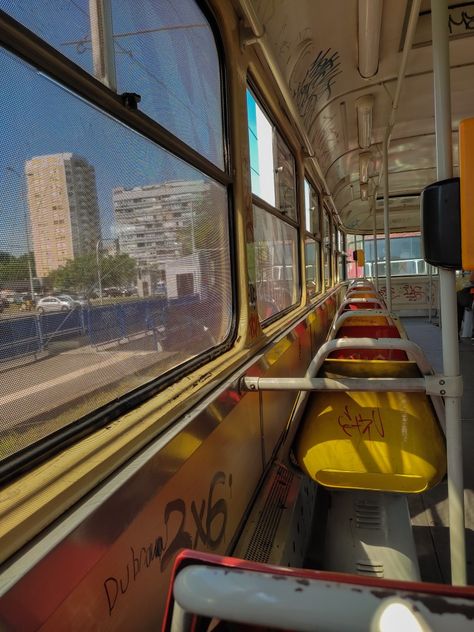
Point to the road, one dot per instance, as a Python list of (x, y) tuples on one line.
[(39, 392)]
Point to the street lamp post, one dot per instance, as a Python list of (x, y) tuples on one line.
[(27, 234), (99, 274), (99, 264)]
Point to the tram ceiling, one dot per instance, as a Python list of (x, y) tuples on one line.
[(316, 45)]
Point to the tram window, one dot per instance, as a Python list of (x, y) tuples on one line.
[(353, 242), (164, 51), (312, 247), (285, 178), (334, 238), (272, 166), (261, 151), (327, 251), (340, 264), (64, 25), (405, 254), (341, 269), (276, 263), (340, 240), (312, 258), (312, 221), (131, 240), (326, 230)]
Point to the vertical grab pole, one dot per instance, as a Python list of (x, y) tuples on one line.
[(386, 223), (444, 164), (365, 263), (376, 263), (430, 293)]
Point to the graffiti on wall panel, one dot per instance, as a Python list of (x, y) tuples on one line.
[(318, 81), (412, 293)]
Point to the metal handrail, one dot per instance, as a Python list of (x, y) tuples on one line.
[(340, 318), (303, 604)]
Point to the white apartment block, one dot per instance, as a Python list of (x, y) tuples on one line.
[(158, 223), (64, 211)]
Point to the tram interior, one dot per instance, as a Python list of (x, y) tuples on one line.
[(278, 400)]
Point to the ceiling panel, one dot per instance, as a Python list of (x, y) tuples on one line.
[(315, 43)]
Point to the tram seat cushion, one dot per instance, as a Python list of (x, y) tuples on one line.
[(388, 331), (388, 441), (357, 294), (366, 321), (369, 354), (368, 331), (367, 305)]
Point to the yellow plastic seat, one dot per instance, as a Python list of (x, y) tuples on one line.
[(366, 321), (361, 294), (388, 441)]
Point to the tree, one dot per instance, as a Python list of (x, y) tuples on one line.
[(207, 227), (15, 268), (81, 274)]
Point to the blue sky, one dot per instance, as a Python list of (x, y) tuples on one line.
[(174, 69)]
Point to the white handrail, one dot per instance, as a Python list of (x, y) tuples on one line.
[(304, 604)]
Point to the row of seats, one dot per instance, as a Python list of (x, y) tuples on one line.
[(358, 432), (387, 437)]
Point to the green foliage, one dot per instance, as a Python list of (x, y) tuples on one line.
[(15, 268), (81, 273), (205, 229)]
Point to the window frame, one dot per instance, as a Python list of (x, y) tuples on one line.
[(327, 247), (266, 206), (315, 236), (36, 52)]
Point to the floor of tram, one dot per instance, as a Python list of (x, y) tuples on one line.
[(429, 511)]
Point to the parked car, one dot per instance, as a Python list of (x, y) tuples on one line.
[(77, 299), (54, 304), (112, 292), (16, 299)]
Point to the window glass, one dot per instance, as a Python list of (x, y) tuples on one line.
[(353, 242), (405, 254), (285, 179), (341, 269), (326, 230), (327, 267), (132, 241), (316, 211), (164, 51), (261, 151), (64, 25), (276, 263), (312, 266), (272, 165), (311, 199)]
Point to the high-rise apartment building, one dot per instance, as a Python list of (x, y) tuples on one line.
[(158, 223), (64, 211)]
